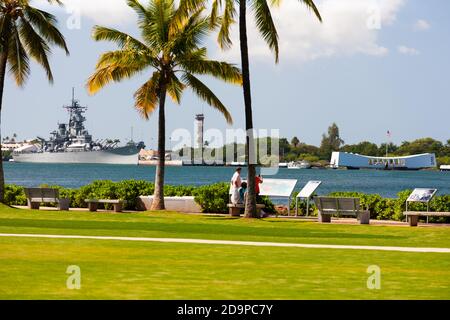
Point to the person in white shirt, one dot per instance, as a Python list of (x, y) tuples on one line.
[(236, 182)]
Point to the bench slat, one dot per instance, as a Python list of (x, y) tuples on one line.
[(426, 214), (104, 201)]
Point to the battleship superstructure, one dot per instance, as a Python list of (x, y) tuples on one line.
[(72, 143)]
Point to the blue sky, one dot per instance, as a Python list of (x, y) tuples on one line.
[(372, 66)]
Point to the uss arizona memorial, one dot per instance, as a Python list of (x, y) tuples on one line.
[(357, 161)]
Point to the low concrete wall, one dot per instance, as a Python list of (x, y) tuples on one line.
[(180, 204)]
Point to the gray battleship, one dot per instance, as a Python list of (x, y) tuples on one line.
[(72, 143)]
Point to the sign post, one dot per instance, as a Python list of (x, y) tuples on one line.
[(306, 193), (421, 195)]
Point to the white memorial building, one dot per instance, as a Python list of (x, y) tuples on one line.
[(357, 161)]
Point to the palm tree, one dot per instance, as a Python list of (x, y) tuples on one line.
[(171, 49), (267, 29), (25, 32)]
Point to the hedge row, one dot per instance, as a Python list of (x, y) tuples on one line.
[(212, 198)]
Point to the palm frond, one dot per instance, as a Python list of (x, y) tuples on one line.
[(190, 35), (140, 11), (214, 13), (311, 5), (35, 46), (175, 88), (45, 24), (265, 25), (17, 58), (185, 9), (160, 13), (108, 74), (128, 58), (204, 93), (226, 21), (222, 70), (147, 97), (55, 1), (122, 39)]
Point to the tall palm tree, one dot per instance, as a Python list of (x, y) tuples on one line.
[(267, 29), (25, 32), (171, 49)]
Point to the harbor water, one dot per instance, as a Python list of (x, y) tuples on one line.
[(385, 183)]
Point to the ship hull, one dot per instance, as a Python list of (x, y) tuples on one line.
[(128, 155)]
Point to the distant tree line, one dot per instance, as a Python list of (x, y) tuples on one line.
[(295, 150)]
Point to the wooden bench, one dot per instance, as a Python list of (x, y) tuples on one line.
[(93, 204), (413, 216), (235, 210), (342, 207), (36, 196)]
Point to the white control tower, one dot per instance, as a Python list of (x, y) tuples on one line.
[(199, 123)]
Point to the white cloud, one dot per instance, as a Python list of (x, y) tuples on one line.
[(349, 27), (99, 11), (408, 51), (422, 25)]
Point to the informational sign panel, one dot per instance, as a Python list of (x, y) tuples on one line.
[(309, 189), (277, 187), (422, 195)]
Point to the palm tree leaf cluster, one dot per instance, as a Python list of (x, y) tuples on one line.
[(27, 32), (223, 13), (170, 45)]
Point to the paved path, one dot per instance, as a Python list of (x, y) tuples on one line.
[(233, 243)]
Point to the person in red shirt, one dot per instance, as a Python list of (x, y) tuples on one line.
[(258, 181)]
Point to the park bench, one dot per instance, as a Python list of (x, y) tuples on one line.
[(413, 216), (93, 204), (236, 209), (36, 196), (328, 206)]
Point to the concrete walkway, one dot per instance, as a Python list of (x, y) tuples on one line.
[(233, 243)]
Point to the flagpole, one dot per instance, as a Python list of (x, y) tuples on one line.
[(387, 148), (387, 143)]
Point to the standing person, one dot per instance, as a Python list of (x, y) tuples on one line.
[(236, 182), (258, 181)]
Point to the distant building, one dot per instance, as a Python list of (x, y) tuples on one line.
[(199, 131), (13, 145), (147, 155), (357, 161)]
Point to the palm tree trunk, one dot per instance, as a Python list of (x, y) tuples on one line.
[(158, 197), (250, 206), (3, 61)]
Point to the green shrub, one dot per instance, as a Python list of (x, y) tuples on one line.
[(179, 191), (213, 198), (269, 206), (131, 190), (15, 195)]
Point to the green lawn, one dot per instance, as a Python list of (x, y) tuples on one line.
[(35, 268)]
